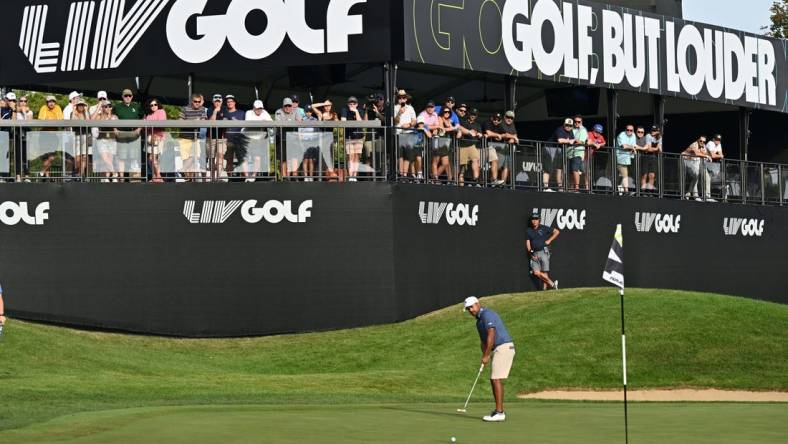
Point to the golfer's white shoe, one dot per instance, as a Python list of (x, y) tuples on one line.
[(495, 416)]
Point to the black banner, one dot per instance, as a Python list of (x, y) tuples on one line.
[(584, 43), (61, 41), (254, 259)]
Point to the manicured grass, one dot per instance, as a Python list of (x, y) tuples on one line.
[(588, 423), (565, 339)]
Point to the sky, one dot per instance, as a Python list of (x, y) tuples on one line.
[(745, 15)]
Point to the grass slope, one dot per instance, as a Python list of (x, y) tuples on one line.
[(568, 338)]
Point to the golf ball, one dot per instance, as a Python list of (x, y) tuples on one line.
[(453, 439)]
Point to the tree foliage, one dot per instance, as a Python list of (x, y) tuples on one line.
[(779, 26)]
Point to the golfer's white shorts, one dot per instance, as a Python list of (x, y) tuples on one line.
[(502, 359)]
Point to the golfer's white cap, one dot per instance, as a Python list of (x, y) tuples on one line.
[(258, 104), (470, 301)]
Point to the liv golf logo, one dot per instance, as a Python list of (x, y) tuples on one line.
[(12, 213), (661, 223), (733, 226), (455, 214), (107, 31), (564, 219), (272, 211)]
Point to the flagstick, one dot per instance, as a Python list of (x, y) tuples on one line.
[(624, 363)]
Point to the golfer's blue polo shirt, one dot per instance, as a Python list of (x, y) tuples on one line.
[(487, 319)]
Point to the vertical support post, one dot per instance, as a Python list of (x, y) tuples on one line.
[(189, 87), (389, 82), (510, 95), (658, 111), (612, 115), (744, 134)]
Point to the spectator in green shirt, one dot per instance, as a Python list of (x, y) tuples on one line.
[(129, 148)]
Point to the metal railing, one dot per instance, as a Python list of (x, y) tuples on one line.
[(205, 151)]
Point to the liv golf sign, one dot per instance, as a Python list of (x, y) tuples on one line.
[(91, 36), (600, 45)]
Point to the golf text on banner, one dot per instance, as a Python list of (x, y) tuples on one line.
[(614, 273)]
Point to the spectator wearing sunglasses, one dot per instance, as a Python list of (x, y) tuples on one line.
[(8, 107), (287, 113), (576, 152), (694, 155), (626, 145), (191, 139), (128, 154), (106, 145), (650, 145), (155, 142)]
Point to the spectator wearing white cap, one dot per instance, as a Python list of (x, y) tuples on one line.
[(82, 136), (8, 107), (286, 114), (73, 97), (258, 138), (497, 349), (102, 98)]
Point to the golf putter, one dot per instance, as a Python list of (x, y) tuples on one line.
[(464, 408)]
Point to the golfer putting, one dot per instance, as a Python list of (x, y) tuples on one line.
[(497, 347)]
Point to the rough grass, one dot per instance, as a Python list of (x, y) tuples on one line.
[(564, 339)]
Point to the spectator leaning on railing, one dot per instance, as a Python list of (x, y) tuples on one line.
[(626, 145), (191, 138), (494, 132), (258, 138), (576, 152), (596, 141), (713, 167), (552, 161), (470, 135), (649, 164), (694, 155)]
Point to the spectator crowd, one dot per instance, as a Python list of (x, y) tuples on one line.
[(442, 142)]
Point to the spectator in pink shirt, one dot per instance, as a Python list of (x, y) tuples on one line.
[(155, 140)]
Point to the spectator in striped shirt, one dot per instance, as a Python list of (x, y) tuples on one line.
[(192, 139)]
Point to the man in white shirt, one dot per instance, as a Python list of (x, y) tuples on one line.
[(258, 140), (405, 121), (73, 98)]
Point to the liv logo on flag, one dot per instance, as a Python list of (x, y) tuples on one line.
[(614, 269)]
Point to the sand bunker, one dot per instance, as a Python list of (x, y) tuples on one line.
[(710, 395)]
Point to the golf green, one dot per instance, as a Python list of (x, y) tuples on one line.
[(534, 422)]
